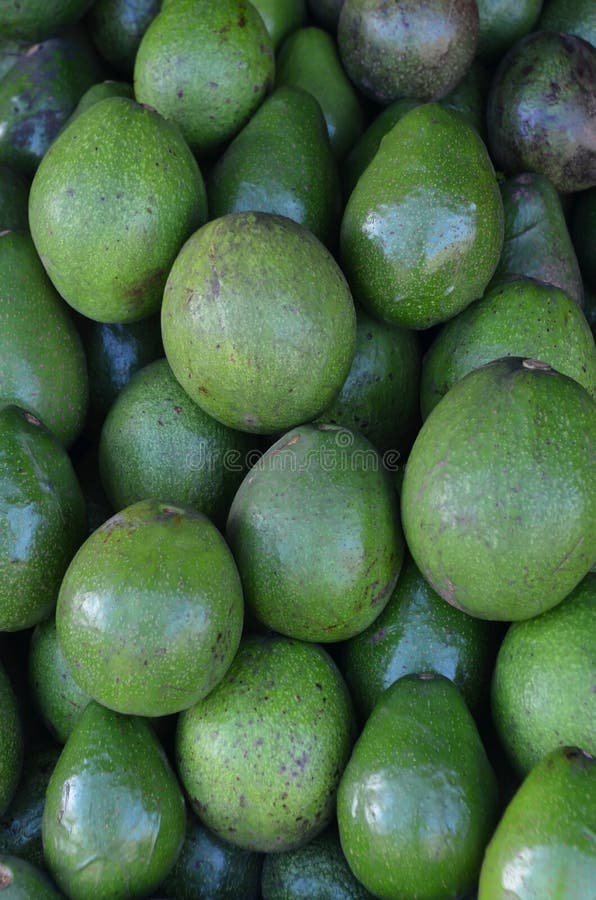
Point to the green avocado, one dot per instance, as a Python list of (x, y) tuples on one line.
[(14, 200), (417, 632), (101, 91), (571, 16), (543, 682), (522, 317), (150, 611), (499, 496), (258, 323), (540, 110), (42, 518), (583, 233), (35, 20), (417, 801), (281, 162), (43, 368), (156, 442), (262, 755), (408, 48), (206, 65), (503, 23), (315, 532), (544, 843), (38, 94), (11, 742), (19, 880), (10, 51), (211, 869), (281, 17), (114, 820), (317, 870), (117, 27), (422, 231), (108, 231), (309, 60)]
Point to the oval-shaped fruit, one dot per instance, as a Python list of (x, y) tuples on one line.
[(544, 844), (499, 494), (281, 17), (117, 27), (522, 317), (502, 23), (224, 66), (262, 755), (34, 20), (11, 742), (571, 16), (113, 822), (258, 323), (417, 801), (407, 48), (150, 611), (108, 230), (42, 518), (315, 532), (543, 682), (541, 110), (19, 880), (423, 229)]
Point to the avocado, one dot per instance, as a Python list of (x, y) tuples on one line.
[(522, 317), (499, 496), (35, 20), (211, 869), (223, 68), (42, 518), (281, 162), (258, 323), (156, 442), (114, 820), (317, 870), (540, 110), (11, 742), (38, 94), (503, 23), (583, 233), (19, 880), (308, 59), (261, 756), (544, 845), (422, 231), (14, 200), (407, 48), (150, 611), (101, 91), (417, 801), (379, 398), (10, 51), (417, 632), (542, 690), (43, 368), (109, 230), (117, 27), (281, 17), (576, 17)]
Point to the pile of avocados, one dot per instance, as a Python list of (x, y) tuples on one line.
[(298, 449)]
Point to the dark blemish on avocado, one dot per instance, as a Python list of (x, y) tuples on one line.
[(180, 93), (378, 636), (242, 800), (177, 410), (160, 422), (213, 85), (139, 291), (241, 22), (70, 192), (203, 390), (149, 210), (33, 420), (63, 805), (553, 92), (215, 284)]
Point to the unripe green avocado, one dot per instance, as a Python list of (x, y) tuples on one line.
[(34, 20), (19, 880), (570, 16), (281, 17), (503, 22), (117, 27)]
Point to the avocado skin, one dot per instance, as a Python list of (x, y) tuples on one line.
[(44, 370), (571, 16), (150, 610), (101, 91), (422, 231), (262, 755), (281, 162), (14, 200), (521, 317), (35, 20), (413, 48), (117, 27), (308, 59), (108, 232), (42, 518), (20, 880), (318, 870), (540, 108), (537, 241), (38, 94), (281, 17), (542, 691), (417, 801), (583, 233), (531, 433), (417, 632), (11, 742), (211, 869), (502, 23), (114, 820), (543, 845)]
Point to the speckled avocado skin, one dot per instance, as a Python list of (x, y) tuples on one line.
[(544, 840), (541, 110), (499, 497), (150, 611), (522, 317), (113, 822), (34, 20), (262, 755), (412, 48), (108, 231), (416, 804), (422, 231)]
